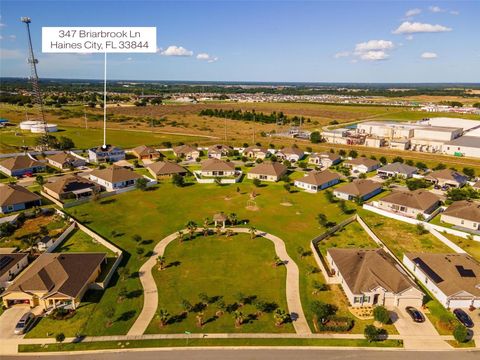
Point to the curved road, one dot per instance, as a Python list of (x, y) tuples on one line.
[(150, 299)]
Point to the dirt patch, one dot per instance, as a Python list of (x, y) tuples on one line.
[(252, 208), (286, 203)]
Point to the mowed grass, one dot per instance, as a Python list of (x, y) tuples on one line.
[(472, 247), (220, 267), (78, 241), (401, 237)]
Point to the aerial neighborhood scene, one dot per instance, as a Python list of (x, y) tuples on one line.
[(174, 184)]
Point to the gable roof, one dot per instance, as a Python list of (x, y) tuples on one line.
[(15, 194), (52, 273), (464, 209), (452, 273), (115, 174), (166, 168), (364, 270), (327, 155), (20, 162), (219, 149), (398, 167), (214, 164), (362, 161), (144, 150), (108, 148), (270, 169), (417, 199), (68, 183), (8, 261), (359, 187), (62, 157), (447, 174), (255, 149), (183, 149), (319, 177), (292, 151)]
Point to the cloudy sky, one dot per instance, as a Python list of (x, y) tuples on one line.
[(317, 41)]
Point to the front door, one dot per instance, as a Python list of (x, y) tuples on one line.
[(375, 299)]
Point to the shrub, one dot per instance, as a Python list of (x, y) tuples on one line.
[(337, 324), (372, 333), (60, 337), (460, 333), (381, 314)]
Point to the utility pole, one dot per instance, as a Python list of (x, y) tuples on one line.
[(34, 79), (85, 116), (225, 129), (105, 103), (253, 129)]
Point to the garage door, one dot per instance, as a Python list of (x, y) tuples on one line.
[(404, 302), (460, 303)]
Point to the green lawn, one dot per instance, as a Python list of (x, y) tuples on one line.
[(86, 138), (78, 241), (207, 342), (470, 246), (401, 237), (351, 236), (220, 267)]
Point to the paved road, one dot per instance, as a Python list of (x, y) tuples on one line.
[(263, 354)]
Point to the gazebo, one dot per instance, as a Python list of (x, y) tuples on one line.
[(220, 218)]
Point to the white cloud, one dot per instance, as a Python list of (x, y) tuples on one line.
[(207, 57), (455, 12), (129, 59), (408, 27), (174, 50), (413, 12), (429, 55), (12, 37), (2, 24), (374, 55), (341, 54), (436, 9), (10, 54), (409, 37), (1, 37), (374, 45)]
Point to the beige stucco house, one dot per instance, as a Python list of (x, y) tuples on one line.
[(465, 214)]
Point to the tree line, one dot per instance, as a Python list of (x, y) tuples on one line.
[(271, 118)]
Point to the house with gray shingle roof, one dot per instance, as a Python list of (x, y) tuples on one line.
[(447, 177), (464, 214), (358, 189), (397, 169), (21, 165), (268, 171), (410, 203), (315, 181)]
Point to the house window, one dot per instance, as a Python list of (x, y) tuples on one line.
[(366, 298), (10, 207), (357, 299)]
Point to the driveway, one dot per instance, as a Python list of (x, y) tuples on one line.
[(420, 335), (9, 319)]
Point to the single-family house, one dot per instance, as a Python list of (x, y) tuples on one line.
[(218, 151), (162, 169), (361, 165), (144, 152), (454, 279), (186, 151), (71, 187), (268, 171), (410, 203), (65, 160), (371, 277), (214, 167), (16, 198), (397, 169), (359, 189), (256, 152), (55, 279), (114, 177), (109, 153), (447, 177), (464, 214), (21, 165), (324, 159), (291, 154), (10, 266), (317, 180)]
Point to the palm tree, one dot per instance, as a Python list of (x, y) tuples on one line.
[(206, 222), (199, 318), (180, 236), (253, 232), (163, 317), (218, 229), (192, 227), (161, 262), (30, 240), (238, 315), (233, 218)]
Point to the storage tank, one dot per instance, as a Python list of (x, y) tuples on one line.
[(27, 125), (40, 128)]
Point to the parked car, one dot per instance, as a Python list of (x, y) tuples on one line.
[(24, 323), (463, 317), (416, 315)]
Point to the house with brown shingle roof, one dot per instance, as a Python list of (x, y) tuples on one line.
[(186, 151), (454, 279), (410, 203), (324, 159), (55, 279), (315, 181), (16, 198), (361, 189), (218, 150), (464, 214), (65, 160), (71, 187), (217, 168), (372, 277), (361, 165), (447, 177), (291, 154), (268, 171), (21, 165), (114, 177), (144, 152), (256, 152), (165, 168)]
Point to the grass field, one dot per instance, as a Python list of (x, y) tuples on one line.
[(470, 246), (78, 241), (220, 267)]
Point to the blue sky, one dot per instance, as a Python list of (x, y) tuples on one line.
[(313, 41)]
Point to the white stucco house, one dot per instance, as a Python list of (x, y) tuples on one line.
[(114, 178)]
